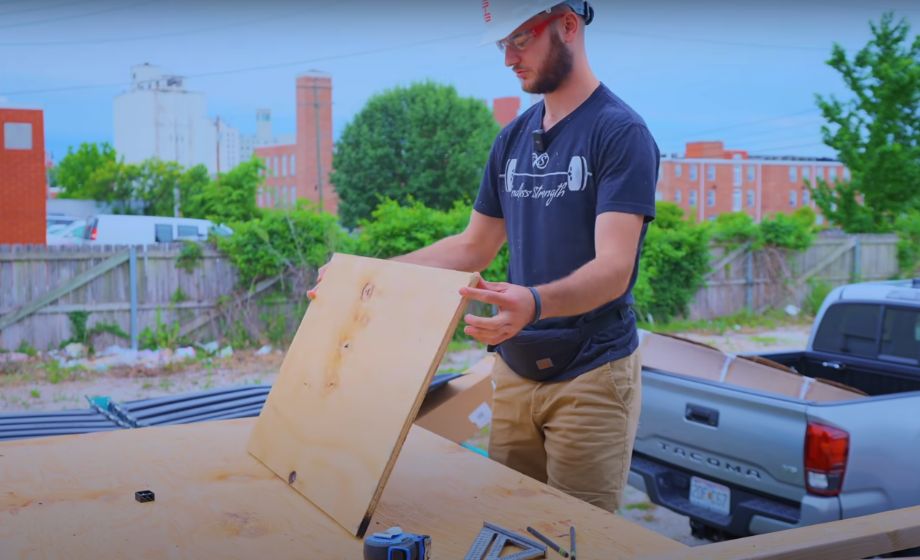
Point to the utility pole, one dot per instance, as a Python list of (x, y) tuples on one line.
[(319, 163)]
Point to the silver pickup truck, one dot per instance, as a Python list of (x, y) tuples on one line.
[(739, 461)]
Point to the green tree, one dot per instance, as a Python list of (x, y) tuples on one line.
[(75, 171), (155, 184), (231, 198), (877, 132), (423, 142)]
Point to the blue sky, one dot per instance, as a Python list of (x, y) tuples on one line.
[(743, 71)]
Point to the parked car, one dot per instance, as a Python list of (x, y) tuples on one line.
[(73, 233), (119, 229), (740, 461), (55, 221)]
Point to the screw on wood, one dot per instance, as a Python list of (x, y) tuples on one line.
[(292, 477)]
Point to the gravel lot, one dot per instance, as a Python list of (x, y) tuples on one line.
[(25, 388)]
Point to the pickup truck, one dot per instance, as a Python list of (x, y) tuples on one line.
[(739, 461)]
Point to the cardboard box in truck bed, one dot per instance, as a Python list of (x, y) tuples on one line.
[(673, 354), (460, 409)]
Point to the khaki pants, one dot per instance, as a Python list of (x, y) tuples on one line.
[(574, 435)]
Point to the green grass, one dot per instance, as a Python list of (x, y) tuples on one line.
[(764, 340), (771, 319), (639, 506), (35, 394)]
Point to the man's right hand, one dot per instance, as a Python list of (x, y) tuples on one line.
[(311, 293)]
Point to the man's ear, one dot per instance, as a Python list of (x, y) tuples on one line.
[(571, 23)]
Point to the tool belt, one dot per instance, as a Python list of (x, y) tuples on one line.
[(540, 354)]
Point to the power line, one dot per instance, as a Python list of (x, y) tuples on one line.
[(254, 68), (40, 8), (76, 16), (749, 123), (715, 41), (154, 36)]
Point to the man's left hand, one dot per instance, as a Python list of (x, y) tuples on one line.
[(515, 311)]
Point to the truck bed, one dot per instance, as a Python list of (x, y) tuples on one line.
[(864, 375)]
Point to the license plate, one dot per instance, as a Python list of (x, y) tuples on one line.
[(709, 495)]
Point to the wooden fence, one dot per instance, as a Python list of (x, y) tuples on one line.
[(40, 286), (758, 280), (134, 288)]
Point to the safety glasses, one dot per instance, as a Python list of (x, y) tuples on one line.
[(521, 39)]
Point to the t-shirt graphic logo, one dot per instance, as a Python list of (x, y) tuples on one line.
[(576, 176), (540, 160)]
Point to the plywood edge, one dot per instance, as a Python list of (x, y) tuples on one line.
[(419, 398), (853, 538)]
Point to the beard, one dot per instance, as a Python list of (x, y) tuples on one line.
[(555, 68)]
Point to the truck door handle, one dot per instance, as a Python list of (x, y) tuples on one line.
[(702, 415), (833, 365)]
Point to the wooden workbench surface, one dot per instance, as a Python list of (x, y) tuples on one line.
[(73, 497)]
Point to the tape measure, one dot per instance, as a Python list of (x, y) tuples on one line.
[(394, 544)]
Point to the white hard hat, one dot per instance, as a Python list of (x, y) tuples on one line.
[(501, 17)]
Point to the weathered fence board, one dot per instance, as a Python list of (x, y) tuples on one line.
[(768, 278), (30, 273)]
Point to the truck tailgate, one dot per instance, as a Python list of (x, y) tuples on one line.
[(726, 434)]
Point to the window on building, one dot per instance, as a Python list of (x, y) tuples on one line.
[(17, 136), (293, 166), (658, 195), (678, 170), (806, 175), (293, 195), (677, 196), (736, 200), (846, 173), (832, 174), (711, 198), (736, 176), (692, 172), (711, 172), (819, 174), (751, 173), (793, 173), (806, 197), (284, 170), (793, 198), (692, 198), (163, 233), (187, 231), (750, 198)]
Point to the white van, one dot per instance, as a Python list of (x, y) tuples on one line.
[(120, 229)]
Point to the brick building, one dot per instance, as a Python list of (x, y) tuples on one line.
[(505, 109), (23, 185), (709, 180), (301, 170)]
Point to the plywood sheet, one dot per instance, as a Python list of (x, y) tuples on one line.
[(73, 497), (353, 380)]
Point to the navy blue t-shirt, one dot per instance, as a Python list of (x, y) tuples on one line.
[(600, 158)]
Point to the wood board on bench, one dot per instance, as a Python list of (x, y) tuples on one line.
[(353, 380), (73, 497)]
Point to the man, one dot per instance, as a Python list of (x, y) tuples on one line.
[(570, 184)]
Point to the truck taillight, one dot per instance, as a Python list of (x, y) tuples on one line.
[(825, 458), (94, 233)]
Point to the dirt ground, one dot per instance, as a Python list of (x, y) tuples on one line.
[(27, 387)]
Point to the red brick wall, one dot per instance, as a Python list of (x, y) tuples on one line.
[(771, 184), (505, 109), (313, 92), (279, 161), (22, 181)]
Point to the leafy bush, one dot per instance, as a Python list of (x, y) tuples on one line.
[(817, 291), (399, 229), (908, 230), (675, 259), (190, 256), (735, 228), (796, 231), (301, 239)]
